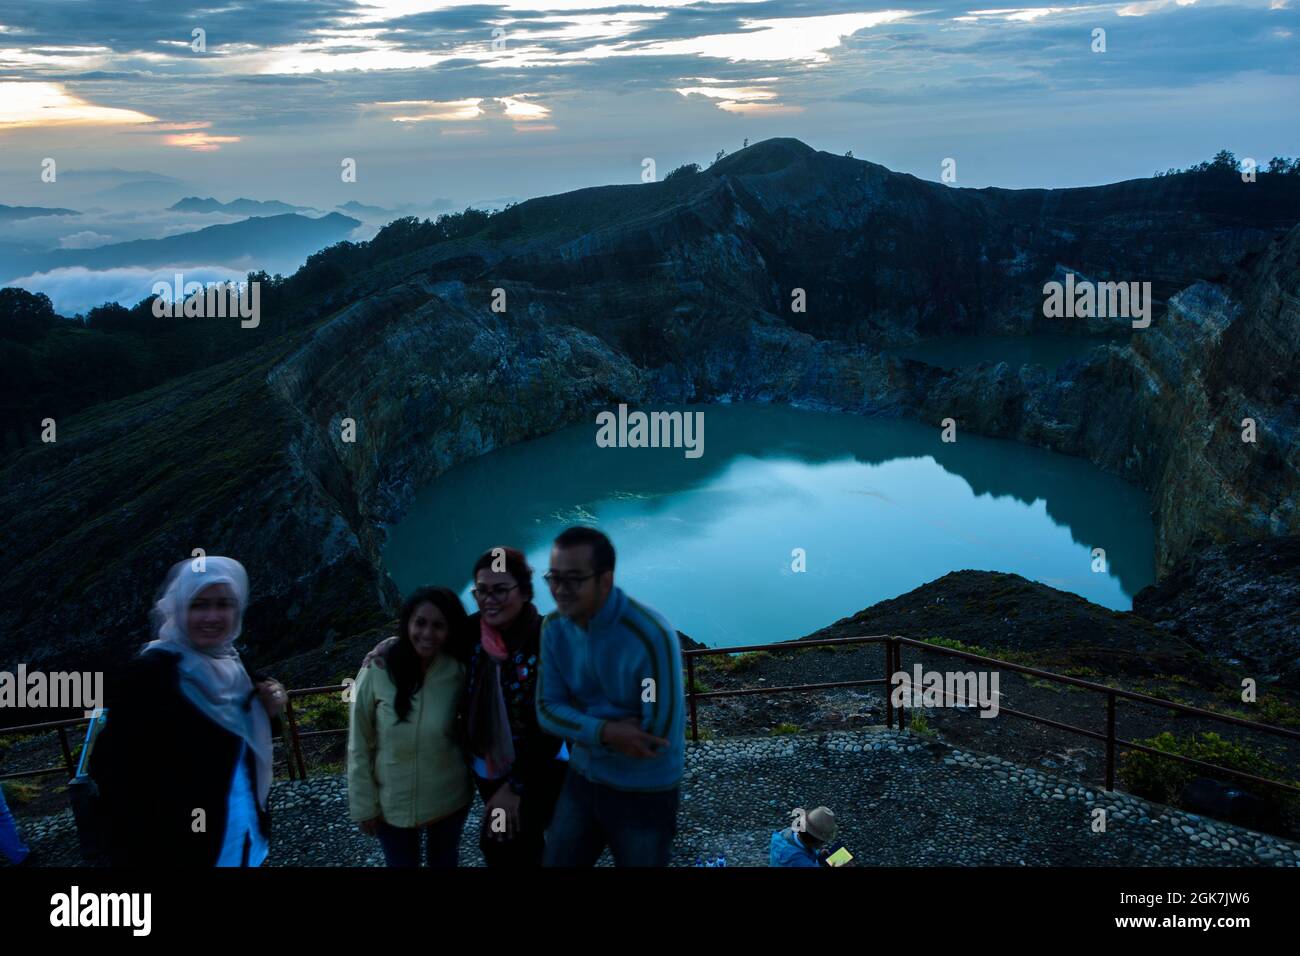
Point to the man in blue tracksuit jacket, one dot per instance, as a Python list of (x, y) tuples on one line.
[(611, 684)]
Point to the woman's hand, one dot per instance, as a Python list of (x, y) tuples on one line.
[(377, 653), (273, 697), (370, 827), (507, 802)]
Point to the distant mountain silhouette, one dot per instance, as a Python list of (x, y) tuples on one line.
[(386, 213), (362, 209), (240, 207), (275, 243), (114, 174), (143, 191), (14, 213)]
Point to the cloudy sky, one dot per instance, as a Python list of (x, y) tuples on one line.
[(443, 102)]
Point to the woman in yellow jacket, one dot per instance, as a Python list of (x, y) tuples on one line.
[(408, 783)]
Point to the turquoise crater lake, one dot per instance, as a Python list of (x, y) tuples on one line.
[(878, 506)]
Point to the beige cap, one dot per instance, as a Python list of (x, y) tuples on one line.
[(820, 824)]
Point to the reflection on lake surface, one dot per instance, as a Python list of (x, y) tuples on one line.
[(879, 507)]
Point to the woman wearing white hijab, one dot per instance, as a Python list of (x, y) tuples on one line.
[(184, 762)]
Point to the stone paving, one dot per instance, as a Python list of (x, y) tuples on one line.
[(900, 799)]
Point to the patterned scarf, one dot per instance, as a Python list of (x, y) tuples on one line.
[(490, 735)]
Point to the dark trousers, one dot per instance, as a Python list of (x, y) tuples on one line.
[(441, 842), (536, 806), (637, 827)]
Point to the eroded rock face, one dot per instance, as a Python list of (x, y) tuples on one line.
[(429, 381), (1167, 410), (670, 292), (1238, 602)]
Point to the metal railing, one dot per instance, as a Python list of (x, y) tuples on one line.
[(894, 663), (292, 736), (69, 766)]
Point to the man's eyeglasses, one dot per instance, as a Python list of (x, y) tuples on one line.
[(498, 593), (566, 582)]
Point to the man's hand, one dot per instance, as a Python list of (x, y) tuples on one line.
[(627, 737), (370, 827), (507, 800), (376, 655)]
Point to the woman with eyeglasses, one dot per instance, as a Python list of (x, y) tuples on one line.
[(515, 764)]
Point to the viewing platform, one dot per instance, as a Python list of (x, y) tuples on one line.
[(900, 799)]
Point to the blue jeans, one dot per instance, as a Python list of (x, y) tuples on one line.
[(401, 845), (637, 827), (12, 847)]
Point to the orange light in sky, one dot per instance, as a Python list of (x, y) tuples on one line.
[(24, 105), (202, 142)]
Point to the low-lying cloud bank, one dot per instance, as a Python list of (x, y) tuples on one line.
[(78, 289)]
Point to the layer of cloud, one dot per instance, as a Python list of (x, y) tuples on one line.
[(77, 289), (376, 81)]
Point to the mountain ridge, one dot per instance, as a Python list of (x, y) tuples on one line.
[(271, 239), (240, 207), (676, 291), (14, 213)]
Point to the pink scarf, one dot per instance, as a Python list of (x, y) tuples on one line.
[(493, 642), (500, 754)]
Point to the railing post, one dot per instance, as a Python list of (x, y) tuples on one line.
[(1110, 740), (293, 736), (898, 666), (889, 670), (288, 751), (690, 697), (67, 752)]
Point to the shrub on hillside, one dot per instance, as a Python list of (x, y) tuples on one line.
[(1162, 780)]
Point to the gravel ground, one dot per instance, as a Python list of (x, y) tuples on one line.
[(900, 800)]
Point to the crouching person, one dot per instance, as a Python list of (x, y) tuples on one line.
[(803, 845)]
